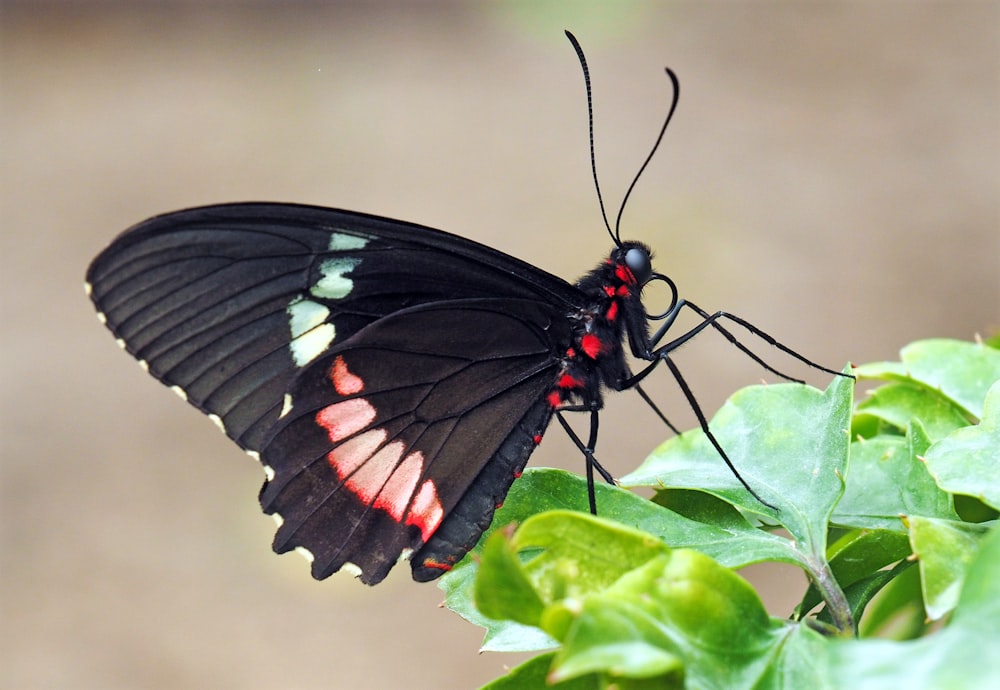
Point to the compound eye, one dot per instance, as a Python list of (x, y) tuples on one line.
[(637, 261)]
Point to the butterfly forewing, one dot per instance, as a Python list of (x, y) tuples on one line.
[(246, 309)]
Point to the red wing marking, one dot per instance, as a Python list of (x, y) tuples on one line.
[(345, 418), (344, 381), (346, 458), (570, 381), (368, 480), (426, 512), (555, 400), (396, 494)]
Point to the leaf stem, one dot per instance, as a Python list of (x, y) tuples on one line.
[(833, 595)]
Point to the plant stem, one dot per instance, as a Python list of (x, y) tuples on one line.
[(833, 595)]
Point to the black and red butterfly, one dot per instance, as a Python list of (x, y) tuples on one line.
[(392, 379)]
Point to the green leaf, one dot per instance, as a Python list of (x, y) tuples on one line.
[(898, 403), (961, 371), (533, 675), (888, 480), (968, 461), (730, 539), (502, 590), (789, 442), (898, 610), (944, 550)]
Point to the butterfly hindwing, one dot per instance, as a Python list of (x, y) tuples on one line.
[(419, 422)]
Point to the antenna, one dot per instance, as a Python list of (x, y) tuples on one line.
[(616, 235)]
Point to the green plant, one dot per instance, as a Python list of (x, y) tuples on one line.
[(889, 508)]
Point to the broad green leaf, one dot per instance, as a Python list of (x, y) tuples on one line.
[(788, 441), (944, 550), (888, 480), (579, 554), (898, 403), (502, 590), (533, 675), (961, 371), (968, 461), (731, 540)]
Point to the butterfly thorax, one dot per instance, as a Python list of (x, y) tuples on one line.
[(596, 356)]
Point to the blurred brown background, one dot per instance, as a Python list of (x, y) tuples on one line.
[(832, 174)]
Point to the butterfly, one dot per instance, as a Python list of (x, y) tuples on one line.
[(391, 379)]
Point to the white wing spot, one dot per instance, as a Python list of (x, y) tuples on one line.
[(404, 555), (180, 392), (88, 289), (334, 284), (268, 472), (311, 334), (254, 454), (305, 553), (278, 520), (351, 568), (102, 318), (341, 242), (120, 343), (286, 406), (143, 364), (217, 421)]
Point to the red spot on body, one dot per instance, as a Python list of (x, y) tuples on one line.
[(613, 311), (554, 398), (570, 353), (610, 290), (517, 475), (569, 381), (625, 275), (622, 291), (591, 345), (537, 439), (426, 511), (344, 381)]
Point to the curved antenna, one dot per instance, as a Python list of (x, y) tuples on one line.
[(663, 129), (590, 122)]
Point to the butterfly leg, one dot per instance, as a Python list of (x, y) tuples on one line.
[(713, 321), (587, 450)]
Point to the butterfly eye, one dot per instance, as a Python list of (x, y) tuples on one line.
[(638, 262)]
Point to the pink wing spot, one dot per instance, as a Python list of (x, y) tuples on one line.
[(370, 478), (346, 458), (346, 418), (344, 381), (591, 345), (397, 492), (426, 511)]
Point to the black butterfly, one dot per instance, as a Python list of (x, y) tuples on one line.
[(392, 379)]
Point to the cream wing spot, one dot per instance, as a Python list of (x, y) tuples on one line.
[(102, 318), (269, 473), (340, 242), (305, 553), (217, 421), (335, 284), (143, 364), (88, 289), (179, 392), (254, 454), (286, 406), (351, 568), (278, 520), (311, 334)]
